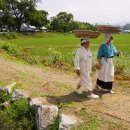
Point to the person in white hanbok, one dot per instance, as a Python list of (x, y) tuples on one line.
[(83, 65)]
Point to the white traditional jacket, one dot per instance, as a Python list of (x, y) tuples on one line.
[(83, 60)]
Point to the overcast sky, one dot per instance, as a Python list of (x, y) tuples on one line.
[(93, 11)]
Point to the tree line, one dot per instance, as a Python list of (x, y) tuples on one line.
[(15, 12)]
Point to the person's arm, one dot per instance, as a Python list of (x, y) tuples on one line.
[(99, 56), (100, 53), (116, 53), (97, 65), (76, 62), (94, 63)]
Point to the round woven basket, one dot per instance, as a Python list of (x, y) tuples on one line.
[(108, 29), (86, 33)]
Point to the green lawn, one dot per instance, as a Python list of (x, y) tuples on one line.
[(52, 41), (51, 48), (66, 40)]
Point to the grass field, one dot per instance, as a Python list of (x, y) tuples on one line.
[(58, 49), (57, 39), (56, 87)]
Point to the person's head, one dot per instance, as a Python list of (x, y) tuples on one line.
[(108, 39), (85, 42)]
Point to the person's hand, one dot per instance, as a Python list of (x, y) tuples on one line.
[(78, 72), (100, 63), (98, 66), (120, 53)]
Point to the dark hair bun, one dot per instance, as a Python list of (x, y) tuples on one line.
[(81, 39)]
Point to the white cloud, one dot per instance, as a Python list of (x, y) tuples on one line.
[(94, 11)]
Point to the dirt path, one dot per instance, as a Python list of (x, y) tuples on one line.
[(58, 87)]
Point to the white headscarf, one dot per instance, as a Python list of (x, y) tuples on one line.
[(107, 37), (85, 40)]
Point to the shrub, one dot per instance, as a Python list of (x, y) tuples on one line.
[(29, 57), (19, 116), (5, 46), (4, 96), (54, 57), (10, 35), (57, 60), (11, 49)]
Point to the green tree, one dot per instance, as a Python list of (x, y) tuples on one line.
[(15, 10), (37, 18), (62, 22), (85, 26)]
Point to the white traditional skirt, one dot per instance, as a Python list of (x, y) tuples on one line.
[(85, 79), (105, 76)]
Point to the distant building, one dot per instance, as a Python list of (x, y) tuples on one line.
[(43, 29), (127, 31), (126, 28), (27, 28)]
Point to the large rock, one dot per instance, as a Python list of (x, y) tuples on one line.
[(1, 89), (35, 104), (66, 122), (34, 101), (8, 88), (4, 105), (45, 116), (17, 94)]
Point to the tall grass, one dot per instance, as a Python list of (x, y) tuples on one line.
[(58, 50)]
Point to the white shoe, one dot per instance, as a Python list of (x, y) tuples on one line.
[(97, 88), (93, 96), (78, 91), (111, 92)]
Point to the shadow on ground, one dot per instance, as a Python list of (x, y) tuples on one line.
[(72, 97), (100, 93)]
